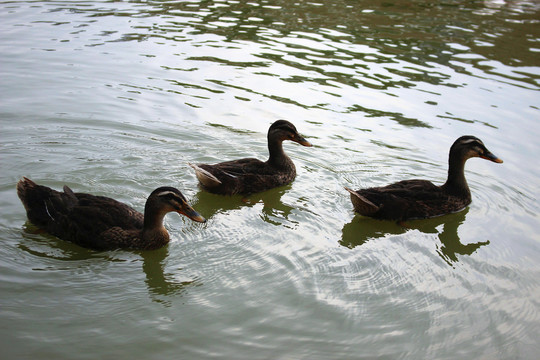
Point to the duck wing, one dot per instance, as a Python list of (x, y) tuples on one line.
[(99, 222), (77, 217), (108, 212), (211, 176), (409, 199), (44, 205), (242, 176)]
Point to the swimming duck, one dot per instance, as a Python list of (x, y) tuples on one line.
[(248, 176), (102, 223), (417, 199)]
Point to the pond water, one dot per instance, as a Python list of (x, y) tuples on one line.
[(116, 97)]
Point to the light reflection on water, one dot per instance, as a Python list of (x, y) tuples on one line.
[(115, 98)]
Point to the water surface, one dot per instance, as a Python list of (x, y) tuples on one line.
[(116, 97)]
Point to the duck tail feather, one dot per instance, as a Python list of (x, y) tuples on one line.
[(70, 200), (205, 177), (362, 205)]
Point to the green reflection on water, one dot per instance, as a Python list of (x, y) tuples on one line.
[(273, 208), (362, 229), (162, 284)]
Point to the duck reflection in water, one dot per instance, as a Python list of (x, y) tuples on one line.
[(161, 284), (362, 229), (273, 208)]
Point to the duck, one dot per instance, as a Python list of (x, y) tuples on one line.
[(420, 199), (102, 223), (249, 175)]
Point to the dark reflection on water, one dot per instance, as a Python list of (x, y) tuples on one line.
[(416, 30), (208, 204), (39, 243), (348, 41), (398, 117), (337, 47), (362, 229), (161, 284)]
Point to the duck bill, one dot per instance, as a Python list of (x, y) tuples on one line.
[(192, 214), (299, 139), (489, 156)]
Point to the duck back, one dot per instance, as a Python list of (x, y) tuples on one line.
[(412, 199), (91, 221), (245, 176)]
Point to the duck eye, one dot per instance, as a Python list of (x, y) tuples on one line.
[(175, 203)]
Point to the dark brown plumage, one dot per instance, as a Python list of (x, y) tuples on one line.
[(417, 199), (248, 176), (102, 223)]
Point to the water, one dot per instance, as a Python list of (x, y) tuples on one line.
[(114, 98)]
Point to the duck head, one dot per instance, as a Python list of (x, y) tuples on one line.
[(284, 130), (168, 199), (470, 146)]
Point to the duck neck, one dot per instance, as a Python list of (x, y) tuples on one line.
[(278, 157), (154, 234), (456, 184)]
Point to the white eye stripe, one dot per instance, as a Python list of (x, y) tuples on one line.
[(174, 196), (470, 141), (163, 193)]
